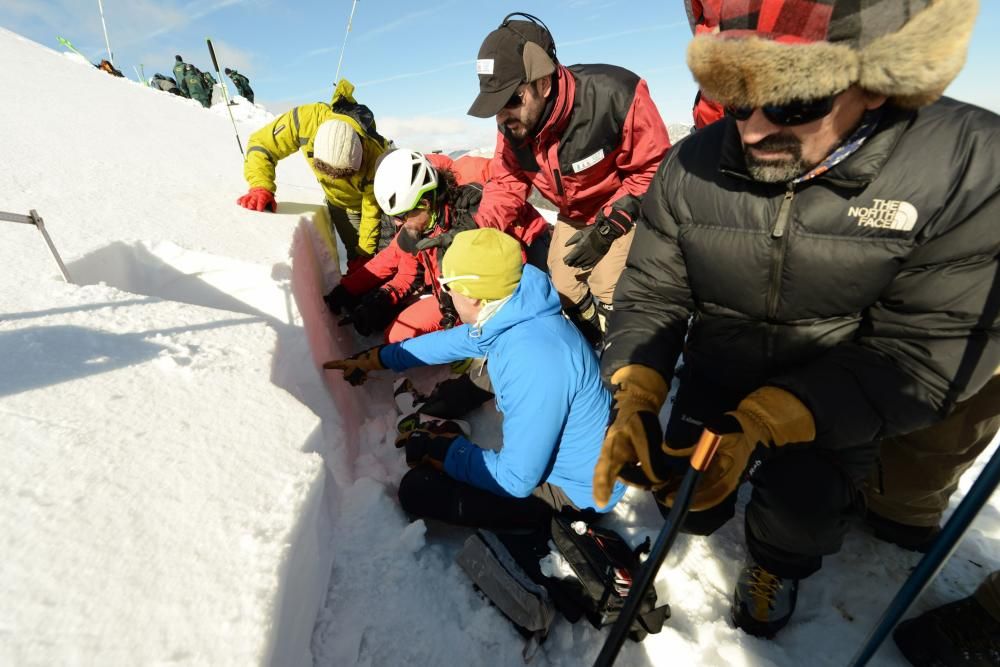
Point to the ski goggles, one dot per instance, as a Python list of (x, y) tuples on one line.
[(796, 112), (444, 282)]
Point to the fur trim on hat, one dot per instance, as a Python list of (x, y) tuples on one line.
[(911, 66)]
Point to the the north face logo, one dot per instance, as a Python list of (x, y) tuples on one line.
[(886, 214)]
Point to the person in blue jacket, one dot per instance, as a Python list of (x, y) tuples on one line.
[(547, 384)]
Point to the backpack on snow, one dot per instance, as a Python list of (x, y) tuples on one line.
[(605, 566), (602, 562)]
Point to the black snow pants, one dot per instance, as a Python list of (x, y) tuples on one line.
[(427, 493), (802, 496)]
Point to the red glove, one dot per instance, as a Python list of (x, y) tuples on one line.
[(258, 199)]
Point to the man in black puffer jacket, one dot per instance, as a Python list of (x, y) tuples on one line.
[(825, 257)]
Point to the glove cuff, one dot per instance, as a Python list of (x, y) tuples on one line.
[(775, 417), (374, 357), (618, 220), (640, 384)]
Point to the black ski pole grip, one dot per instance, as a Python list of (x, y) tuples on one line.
[(211, 51)]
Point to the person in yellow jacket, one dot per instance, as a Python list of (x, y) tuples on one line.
[(341, 144)]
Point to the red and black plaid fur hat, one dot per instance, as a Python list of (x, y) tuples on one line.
[(775, 51)]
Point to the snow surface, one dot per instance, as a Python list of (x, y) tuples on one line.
[(179, 485)]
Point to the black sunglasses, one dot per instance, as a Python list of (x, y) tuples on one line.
[(516, 100), (796, 112)]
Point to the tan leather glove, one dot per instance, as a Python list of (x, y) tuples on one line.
[(633, 443), (769, 415), (356, 368)]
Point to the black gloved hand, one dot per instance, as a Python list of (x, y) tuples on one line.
[(375, 312), (339, 300), (449, 316), (592, 243), (423, 446), (442, 240)]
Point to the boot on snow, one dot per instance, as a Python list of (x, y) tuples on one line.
[(763, 602)]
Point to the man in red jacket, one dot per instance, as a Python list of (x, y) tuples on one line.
[(589, 138)]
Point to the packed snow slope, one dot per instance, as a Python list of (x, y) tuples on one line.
[(179, 486), (160, 497)]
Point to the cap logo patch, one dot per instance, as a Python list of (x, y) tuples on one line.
[(484, 66)]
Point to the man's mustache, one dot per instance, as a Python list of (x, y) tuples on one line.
[(777, 143)]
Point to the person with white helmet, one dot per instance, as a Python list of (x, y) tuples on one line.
[(429, 202), (341, 144)]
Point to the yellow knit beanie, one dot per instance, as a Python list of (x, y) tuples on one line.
[(482, 264)]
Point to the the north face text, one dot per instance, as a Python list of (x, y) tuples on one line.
[(886, 214)]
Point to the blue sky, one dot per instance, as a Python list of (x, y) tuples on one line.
[(412, 63)]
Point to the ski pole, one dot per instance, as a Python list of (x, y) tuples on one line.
[(142, 73), (343, 48), (111, 57), (225, 96), (934, 559), (700, 460), (34, 219)]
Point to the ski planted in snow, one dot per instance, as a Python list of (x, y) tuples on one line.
[(69, 45)]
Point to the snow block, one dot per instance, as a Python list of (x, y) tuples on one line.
[(309, 284)]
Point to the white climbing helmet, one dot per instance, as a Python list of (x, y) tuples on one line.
[(402, 178)]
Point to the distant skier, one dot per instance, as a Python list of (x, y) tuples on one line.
[(165, 83), (209, 82), (242, 84), (340, 144), (106, 66), (195, 86), (179, 76), (548, 387)]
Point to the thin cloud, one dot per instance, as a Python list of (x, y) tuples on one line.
[(402, 20), (622, 33), (181, 17), (411, 75), (381, 29)]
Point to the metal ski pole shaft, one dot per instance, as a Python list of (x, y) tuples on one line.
[(225, 95), (139, 76), (934, 559), (700, 460), (107, 43), (142, 73), (343, 48), (34, 219)]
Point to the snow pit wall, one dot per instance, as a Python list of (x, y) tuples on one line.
[(166, 271)]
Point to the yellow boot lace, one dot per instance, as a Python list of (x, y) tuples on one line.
[(764, 586)]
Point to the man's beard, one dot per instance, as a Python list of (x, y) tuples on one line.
[(521, 131), (780, 170)]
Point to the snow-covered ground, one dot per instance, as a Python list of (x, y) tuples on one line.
[(179, 486)]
